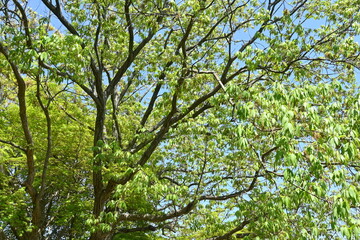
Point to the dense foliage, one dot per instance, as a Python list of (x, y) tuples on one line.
[(193, 119)]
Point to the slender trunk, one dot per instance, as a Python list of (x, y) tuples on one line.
[(36, 215), (37, 222), (97, 173), (99, 201)]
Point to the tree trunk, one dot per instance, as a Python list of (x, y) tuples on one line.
[(99, 201)]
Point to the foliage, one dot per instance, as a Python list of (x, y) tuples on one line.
[(187, 119)]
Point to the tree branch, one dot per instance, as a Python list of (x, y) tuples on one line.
[(24, 123), (26, 23), (45, 110), (157, 218), (232, 231), (232, 195), (14, 145), (121, 71), (129, 26), (57, 11)]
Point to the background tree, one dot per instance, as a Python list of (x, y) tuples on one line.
[(179, 119)]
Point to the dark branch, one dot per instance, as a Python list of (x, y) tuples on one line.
[(157, 218), (234, 230), (57, 11), (13, 144)]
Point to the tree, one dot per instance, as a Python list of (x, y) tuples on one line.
[(188, 119)]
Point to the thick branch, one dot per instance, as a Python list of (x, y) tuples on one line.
[(151, 104), (129, 26), (57, 11), (131, 57)]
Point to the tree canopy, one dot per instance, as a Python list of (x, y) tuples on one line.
[(189, 119)]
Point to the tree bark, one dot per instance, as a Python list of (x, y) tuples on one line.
[(99, 201)]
